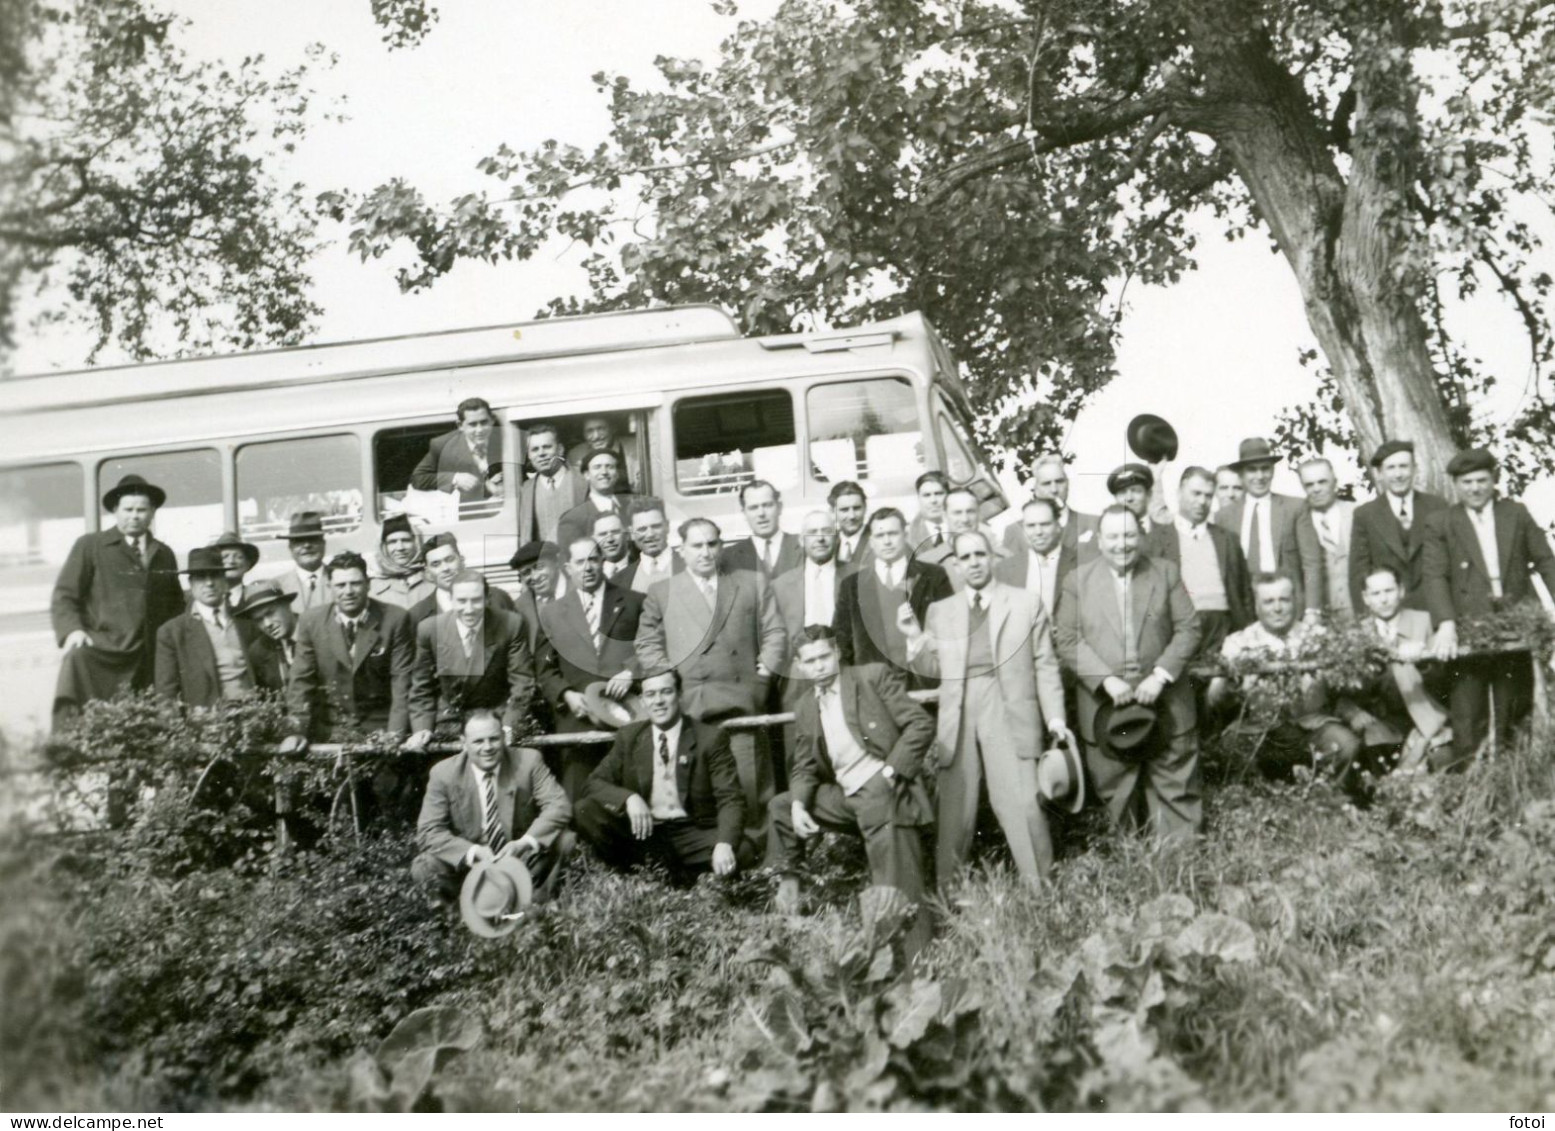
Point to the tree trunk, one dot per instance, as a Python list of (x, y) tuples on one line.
[(1347, 243)]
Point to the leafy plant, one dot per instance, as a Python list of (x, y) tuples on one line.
[(398, 1077)]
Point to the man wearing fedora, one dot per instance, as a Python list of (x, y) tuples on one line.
[(208, 655), (400, 577), (491, 800), (1389, 530), (305, 540), (1480, 555), (588, 637), (1077, 532), (270, 611), (1128, 630), (239, 557), (1269, 528), (859, 759), (1209, 561), (116, 589), (668, 791), (1000, 697), (466, 461)]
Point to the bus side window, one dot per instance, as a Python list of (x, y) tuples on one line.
[(193, 514), (866, 431), (960, 464), (281, 478), (723, 442), (397, 451), (41, 515)]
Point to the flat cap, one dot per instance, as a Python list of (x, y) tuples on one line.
[(1475, 459), (1130, 475), (1391, 448), (531, 552)]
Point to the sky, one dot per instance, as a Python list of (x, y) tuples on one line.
[(1216, 354)]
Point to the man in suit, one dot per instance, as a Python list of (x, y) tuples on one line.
[(609, 532), (928, 528), (270, 611), (599, 470), (1209, 560), (467, 460), (599, 435), (472, 657), (1128, 630), (849, 507), (1405, 700), (770, 551), (1479, 557), (1133, 487), (589, 638), (1043, 559), (207, 656), (307, 580), (539, 569), (553, 490), (1050, 481), (490, 801), (1390, 529), (1269, 528), (1228, 487), (962, 514), (650, 533), (444, 561), (859, 756), (1332, 519), (354, 660), (868, 618), (667, 791), (992, 649), (238, 557), (116, 589)]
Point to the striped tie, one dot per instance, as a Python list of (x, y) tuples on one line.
[(495, 837)]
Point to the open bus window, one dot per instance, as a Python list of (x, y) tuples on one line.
[(866, 431), (618, 432), (281, 478), (397, 451), (723, 442), (41, 515), (193, 514)]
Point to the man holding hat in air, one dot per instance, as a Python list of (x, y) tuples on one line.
[(1390, 529)]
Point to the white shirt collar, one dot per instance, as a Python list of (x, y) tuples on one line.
[(672, 735), (209, 615), (981, 594), (891, 574)]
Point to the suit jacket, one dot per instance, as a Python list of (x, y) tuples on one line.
[(1025, 666), (883, 719), (1455, 575), (742, 555), (578, 522), (1377, 539), (574, 489), (186, 661), (788, 590), (1233, 567), (426, 608), (1162, 626), (1080, 538), (530, 802), (1296, 547), (448, 455), (864, 634), (1381, 696), (290, 583), (367, 685), (104, 590), (1015, 571), (498, 675), (568, 660), (705, 776), (627, 578), (1336, 557), (715, 650)]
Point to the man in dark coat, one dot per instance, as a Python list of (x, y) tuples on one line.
[(869, 601), (208, 655), (1269, 527), (116, 590), (466, 461), (770, 550), (1390, 529), (1210, 561)]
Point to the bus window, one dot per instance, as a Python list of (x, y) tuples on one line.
[(725, 441), (620, 432), (41, 514), (397, 451), (960, 465), (866, 430), (193, 513), (281, 478)]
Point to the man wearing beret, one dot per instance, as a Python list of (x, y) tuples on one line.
[(1269, 527), (1478, 558), (1390, 529)]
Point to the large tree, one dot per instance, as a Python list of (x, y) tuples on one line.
[(1004, 166)]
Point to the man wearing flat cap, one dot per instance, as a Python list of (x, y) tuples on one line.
[(1390, 529), (1479, 557), (208, 656), (305, 540), (117, 588), (1269, 527), (539, 569)]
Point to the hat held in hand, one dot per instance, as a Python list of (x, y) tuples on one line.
[(495, 896)]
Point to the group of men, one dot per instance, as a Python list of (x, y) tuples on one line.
[(1066, 624)]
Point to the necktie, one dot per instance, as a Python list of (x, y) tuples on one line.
[(467, 639), (978, 611), (939, 534), (707, 592), (1325, 533), (768, 557), (1403, 513), (495, 837), (1255, 542), (844, 552), (591, 610), (350, 635), (313, 588), (664, 750), (143, 550)]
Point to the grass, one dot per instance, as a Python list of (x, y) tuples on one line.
[(1302, 956)]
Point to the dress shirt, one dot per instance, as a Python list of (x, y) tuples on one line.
[(591, 610), (604, 504), (1403, 507), (1042, 576), (847, 546), (480, 777), (1484, 523), (665, 802), (892, 575), (709, 589), (767, 549), (1121, 584), (467, 636), (311, 586), (478, 455), (852, 764), (820, 592), (1387, 629), (613, 568), (211, 616), (352, 624), (1261, 508)]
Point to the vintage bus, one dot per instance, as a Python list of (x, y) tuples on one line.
[(243, 442)]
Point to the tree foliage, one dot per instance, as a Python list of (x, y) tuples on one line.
[(139, 179), (1008, 166)]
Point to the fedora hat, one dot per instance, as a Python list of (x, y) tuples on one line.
[(134, 485), (261, 595), (1253, 450), (495, 896), (612, 714), (205, 559), (231, 538), (306, 524), (1125, 732), (1061, 777), (1151, 438)]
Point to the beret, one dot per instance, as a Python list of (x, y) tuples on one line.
[(531, 552), (1130, 475), (1391, 447), (1475, 459), (396, 524)]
